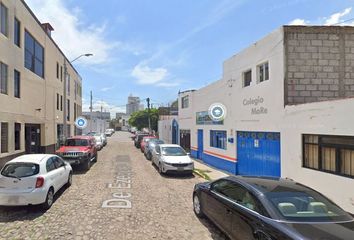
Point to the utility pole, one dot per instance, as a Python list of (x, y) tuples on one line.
[(148, 105), (91, 111), (101, 121)]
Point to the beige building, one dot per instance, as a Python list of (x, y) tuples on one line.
[(32, 71)]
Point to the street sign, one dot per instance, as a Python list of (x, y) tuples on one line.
[(81, 122), (217, 112)]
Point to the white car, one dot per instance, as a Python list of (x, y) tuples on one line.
[(172, 158), (33, 179), (99, 142)]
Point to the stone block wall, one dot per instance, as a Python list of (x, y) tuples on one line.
[(319, 63)]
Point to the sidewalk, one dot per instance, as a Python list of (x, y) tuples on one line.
[(207, 171)]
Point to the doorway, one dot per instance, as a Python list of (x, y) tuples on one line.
[(33, 138)]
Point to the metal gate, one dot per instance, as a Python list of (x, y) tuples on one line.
[(258, 153), (174, 131)]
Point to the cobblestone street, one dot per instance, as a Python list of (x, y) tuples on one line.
[(161, 207)]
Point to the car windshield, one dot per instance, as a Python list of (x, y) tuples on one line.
[(76, 142), (147, 139), (307, 206), (20, 170), (173, 151)]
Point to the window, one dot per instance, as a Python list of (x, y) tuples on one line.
[(185, 102), (218, 139), (20, 170), (247, 78), (333, 154), (263, 72), (3, 78), (4, 137), (17, 83), (58, 162), (61, 73), (57, 70), (17, 136), (17, 32), (3, 20), (68, 84), (61, 103), (75, 89), (58, 101), (68, 117), (50, 164), (74, 111), (34, 55), (238, 194)]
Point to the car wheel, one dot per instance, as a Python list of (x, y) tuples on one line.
[(96, 157), (149, 156), (49, 199), (160, 169), (87, 164), (197, 207), (70, 180)]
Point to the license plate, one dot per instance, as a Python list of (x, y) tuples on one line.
[(13, 199), (180, 169)]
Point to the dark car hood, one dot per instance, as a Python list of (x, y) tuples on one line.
[(324, 231)]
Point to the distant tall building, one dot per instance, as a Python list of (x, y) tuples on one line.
[(133, 105)]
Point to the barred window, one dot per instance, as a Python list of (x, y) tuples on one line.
[(218, 139), (333, 154), (4, 137), (3, 78)]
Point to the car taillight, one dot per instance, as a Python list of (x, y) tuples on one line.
[(39, 182)]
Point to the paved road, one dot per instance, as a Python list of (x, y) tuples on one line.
[(161, 207)]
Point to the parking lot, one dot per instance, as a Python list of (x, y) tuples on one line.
[(150, 206)]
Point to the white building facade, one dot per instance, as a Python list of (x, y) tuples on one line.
[(289, 111)]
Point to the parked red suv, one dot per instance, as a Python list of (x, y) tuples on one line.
[(79, 150)]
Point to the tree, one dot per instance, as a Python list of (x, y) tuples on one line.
[(140, 120)]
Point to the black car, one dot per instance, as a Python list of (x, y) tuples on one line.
[(269, 209), (138, 138)]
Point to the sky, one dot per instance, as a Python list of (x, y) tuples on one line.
[(156, 48)]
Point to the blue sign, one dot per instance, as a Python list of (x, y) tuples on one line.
[(81, 122)]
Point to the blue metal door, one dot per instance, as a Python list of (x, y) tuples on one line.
[(258, 153), (174, 131), (200, 144)]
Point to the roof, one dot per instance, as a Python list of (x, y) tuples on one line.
[(149, 137), (31, 158), (170, 145), (80, 137), (269, 184)]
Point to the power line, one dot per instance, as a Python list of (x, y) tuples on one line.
[(350, 19)]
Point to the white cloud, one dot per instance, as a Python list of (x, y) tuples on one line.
[(72, 35), (336, 17), (105, 89), (147, 75), (298, 21), (107, 107)]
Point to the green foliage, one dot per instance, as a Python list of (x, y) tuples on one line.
[(140, 119)]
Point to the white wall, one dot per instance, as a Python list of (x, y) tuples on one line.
[(165, 128), (332, 117)]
